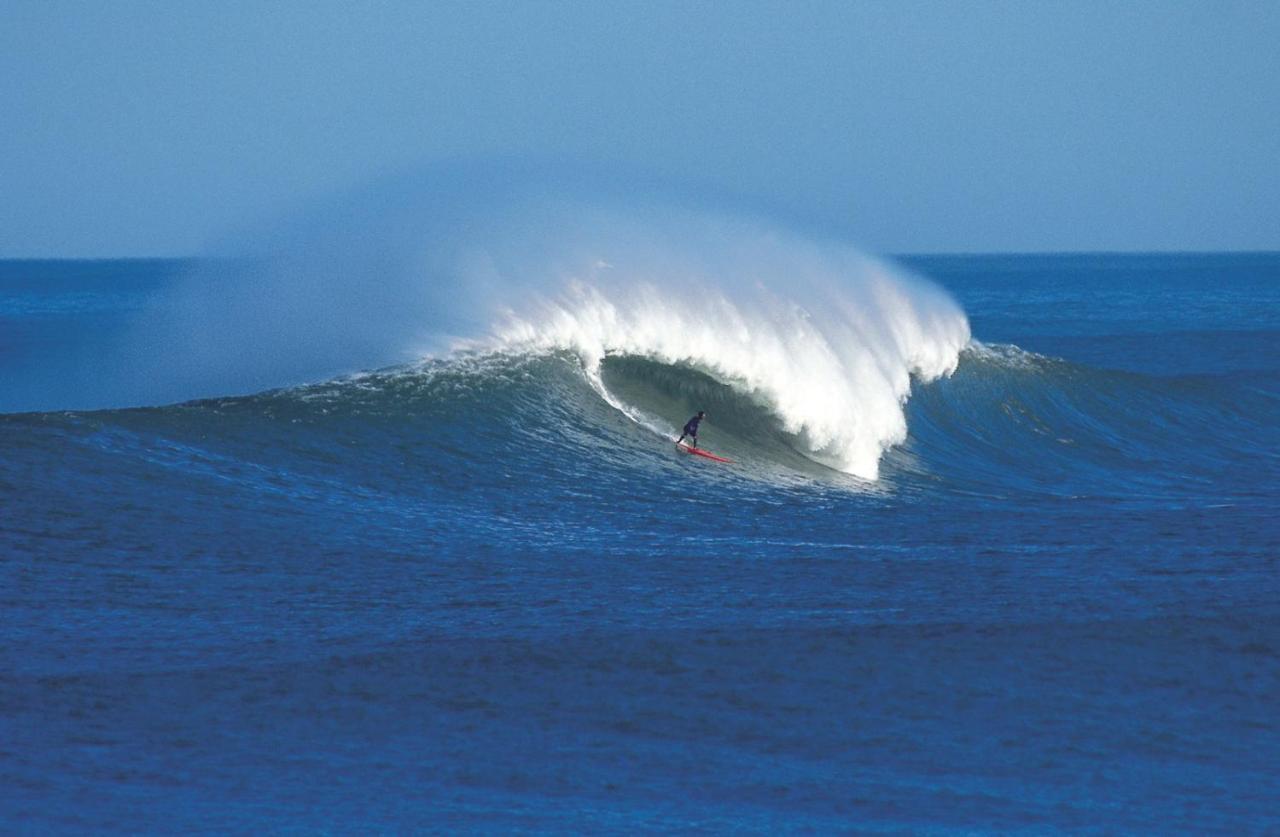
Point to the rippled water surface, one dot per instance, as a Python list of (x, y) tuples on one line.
[(474, 593)]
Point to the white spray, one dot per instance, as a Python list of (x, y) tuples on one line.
[(825, 337)]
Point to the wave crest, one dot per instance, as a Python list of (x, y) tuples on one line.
[(825, 337)]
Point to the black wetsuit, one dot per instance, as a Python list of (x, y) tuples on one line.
[(690, 430)]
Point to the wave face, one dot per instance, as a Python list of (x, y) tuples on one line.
[(825, 338)]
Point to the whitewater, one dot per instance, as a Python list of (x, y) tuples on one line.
[(823, 337)]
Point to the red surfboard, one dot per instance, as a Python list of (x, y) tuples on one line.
[(700, 452)]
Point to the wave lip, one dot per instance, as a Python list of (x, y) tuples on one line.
[(821, 335)]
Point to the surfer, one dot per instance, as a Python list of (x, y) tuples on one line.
[(691, 428)]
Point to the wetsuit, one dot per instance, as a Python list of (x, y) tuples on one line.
[(690, 430)]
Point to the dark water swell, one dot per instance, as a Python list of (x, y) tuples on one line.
[(1012, 419), (886, 728)]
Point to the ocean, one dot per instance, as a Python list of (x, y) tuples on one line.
[(998, 549)]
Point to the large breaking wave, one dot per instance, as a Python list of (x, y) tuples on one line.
[(824, 337)]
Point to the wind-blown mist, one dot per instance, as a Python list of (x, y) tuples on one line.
[(821, 335)]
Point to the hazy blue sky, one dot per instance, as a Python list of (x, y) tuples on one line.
[(133, 128)]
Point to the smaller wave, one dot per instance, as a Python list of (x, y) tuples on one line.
[(1011, 418)]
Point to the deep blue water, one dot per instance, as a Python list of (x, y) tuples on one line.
[(471, 594)]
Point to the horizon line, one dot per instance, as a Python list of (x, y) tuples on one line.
[(887, 254)]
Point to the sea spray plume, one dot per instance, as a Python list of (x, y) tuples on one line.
[(353, 282), (496, 260)]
